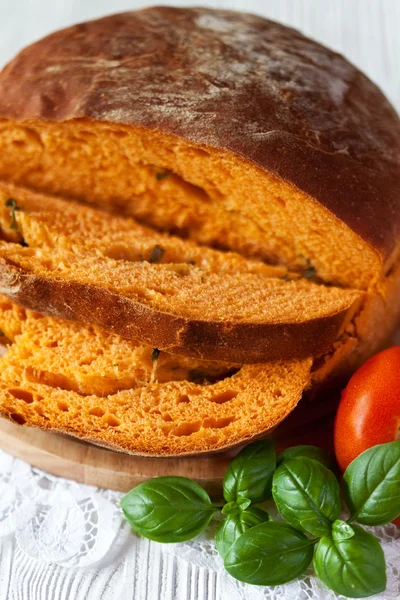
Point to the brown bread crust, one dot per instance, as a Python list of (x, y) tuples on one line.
[(212, 340), (230, 81)]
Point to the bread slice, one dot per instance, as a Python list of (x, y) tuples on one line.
[(219, 308), (263, 141), (80, 380), (211, 197), (47, 221)]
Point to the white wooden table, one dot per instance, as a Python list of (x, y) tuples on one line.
[(368, 33)]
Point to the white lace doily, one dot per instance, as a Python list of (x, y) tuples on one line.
[(61, 523)]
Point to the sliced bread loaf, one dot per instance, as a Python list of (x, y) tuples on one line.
[(223, 126), (76, 379), (219, 308), (265, 143)]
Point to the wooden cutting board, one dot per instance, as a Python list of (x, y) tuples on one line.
[(68, 457)]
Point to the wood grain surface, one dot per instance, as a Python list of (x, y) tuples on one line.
[(66, 457)]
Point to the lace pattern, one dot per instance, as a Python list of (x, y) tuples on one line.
[(60, 522), (55, 520)]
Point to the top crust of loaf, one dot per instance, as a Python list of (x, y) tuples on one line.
[(230, 81)]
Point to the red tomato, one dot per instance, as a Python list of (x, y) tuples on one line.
[(369, 410)]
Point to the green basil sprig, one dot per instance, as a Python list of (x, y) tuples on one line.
[(307, 495), (255, 550), (354, 567), (250, 473), (168, 509), (371, 485), (269, 554), (235, 525)]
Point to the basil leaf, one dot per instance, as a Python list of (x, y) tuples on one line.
[(168, 509), (235, 525), (162, 175), (269, 554), (354, 567), (13, 209), (243, 503), (307, 495), (309, 452), (249, 474), (156, 254), (342, 530), (155, 353), (230, 508), (371, 485), (310, 272)]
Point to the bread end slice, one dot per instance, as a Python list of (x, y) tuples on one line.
[(56, 375)]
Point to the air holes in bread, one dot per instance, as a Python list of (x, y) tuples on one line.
[(183, 399), (63, 406), (39, 410), (97, 412), (17, 418), (224, 397), (187, 428), (22, 395), (53, 344), (218, 423), (111, 420)]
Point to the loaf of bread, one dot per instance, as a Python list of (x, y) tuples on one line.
[(80, 380), (177, 296), (221, 126), (204, 183)]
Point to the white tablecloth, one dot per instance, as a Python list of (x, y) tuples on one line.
[(64, 541)]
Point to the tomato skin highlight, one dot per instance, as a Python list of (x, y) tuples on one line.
[(369, 409)]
